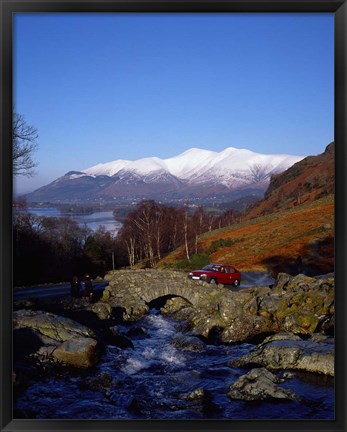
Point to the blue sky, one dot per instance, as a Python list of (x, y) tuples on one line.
[(100, 87)]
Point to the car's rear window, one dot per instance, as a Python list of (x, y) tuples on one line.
[(212, 267), (209, 267)]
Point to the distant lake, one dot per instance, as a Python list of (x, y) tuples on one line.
[(93, 221)]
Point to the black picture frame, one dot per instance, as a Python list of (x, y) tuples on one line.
[(7, 9)]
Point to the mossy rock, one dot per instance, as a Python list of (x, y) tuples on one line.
[(300, 323)]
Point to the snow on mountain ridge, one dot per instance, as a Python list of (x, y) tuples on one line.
[(228, 167), (186, 164)]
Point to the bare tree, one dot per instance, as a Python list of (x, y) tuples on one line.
[(143, 222), (24, 142), (185, 227), (198, 219), (210, 220), (130, 244)]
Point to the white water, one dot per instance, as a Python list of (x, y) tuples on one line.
[(155, 351)]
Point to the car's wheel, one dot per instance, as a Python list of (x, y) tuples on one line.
[(213, 281), (236, 283)]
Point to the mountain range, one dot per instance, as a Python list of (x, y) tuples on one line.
[(195, 174)]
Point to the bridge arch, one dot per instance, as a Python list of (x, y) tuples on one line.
[(149, 295), (160, 302)]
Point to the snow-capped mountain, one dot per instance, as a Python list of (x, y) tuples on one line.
[(229, 167), (193, 173)]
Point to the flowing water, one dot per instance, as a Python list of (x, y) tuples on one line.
[(151, 381)]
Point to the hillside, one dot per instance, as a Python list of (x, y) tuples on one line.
[(271, 243), (304, 182), (295, 217)]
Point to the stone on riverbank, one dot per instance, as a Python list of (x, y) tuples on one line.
[(188, 343), (302, 355), (259, 384), (245, 328), (49, 325), (80, 352), (47, 336)]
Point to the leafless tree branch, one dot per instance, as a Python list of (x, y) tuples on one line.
[(24, 142)]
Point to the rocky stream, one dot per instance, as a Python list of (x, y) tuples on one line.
[(154, 345)]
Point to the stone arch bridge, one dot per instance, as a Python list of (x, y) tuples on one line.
[(133, 290), (292, 304)]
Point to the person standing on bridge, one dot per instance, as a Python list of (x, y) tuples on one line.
[(87, 285), (75, 287)]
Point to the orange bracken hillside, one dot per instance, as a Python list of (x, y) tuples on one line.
[(271, 243), (304, 182)]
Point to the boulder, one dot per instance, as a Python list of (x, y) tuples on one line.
[(196, 394), (304, 304), (300, 322), (302, 355), (48, 336), (280, 336), (48, 326), (204, 399), (80, 352), (259, 384), (188, 343), (174, 305), (246, 328)]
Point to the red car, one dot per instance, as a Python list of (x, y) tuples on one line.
[(217, 273)]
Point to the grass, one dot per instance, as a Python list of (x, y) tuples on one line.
[(263, 243)]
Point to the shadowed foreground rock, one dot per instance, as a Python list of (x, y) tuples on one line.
[(259, 384), (49, 326), (56, 338)]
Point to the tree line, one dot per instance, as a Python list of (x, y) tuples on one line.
[(153, 230), (53, 249)]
